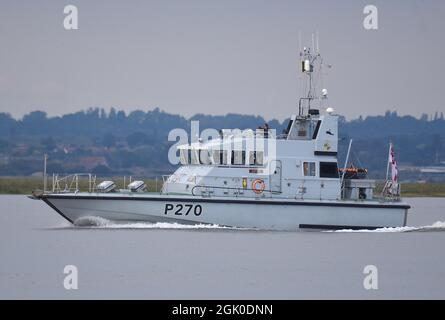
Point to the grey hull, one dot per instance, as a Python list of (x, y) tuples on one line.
[(236, 212)]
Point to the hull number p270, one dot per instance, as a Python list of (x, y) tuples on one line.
[(183, 209)]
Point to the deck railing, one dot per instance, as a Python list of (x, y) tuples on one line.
[(88, 182), (70, 183), (391, 191)]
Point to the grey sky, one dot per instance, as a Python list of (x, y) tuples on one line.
[(216, 57)]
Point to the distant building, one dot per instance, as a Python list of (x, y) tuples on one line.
[(427, 173)]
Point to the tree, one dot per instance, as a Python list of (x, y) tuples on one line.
[(93, 112), (35, 116), (121, 116), (137, 139), (108, 140), (136, 116), (103, 114), (4, 145), (35, 121), (112, 114), (7, 124), (49, 144), (101, 169)]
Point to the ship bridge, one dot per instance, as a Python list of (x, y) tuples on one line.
[(302, 162)]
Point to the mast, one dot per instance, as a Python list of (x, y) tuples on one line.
[(45, 158), (311, 65)]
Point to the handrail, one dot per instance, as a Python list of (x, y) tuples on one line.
[(391, 190), (72, 182), (282, 136), (231, 188), (67, 183)]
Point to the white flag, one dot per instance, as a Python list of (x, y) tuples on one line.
[(393, 163)]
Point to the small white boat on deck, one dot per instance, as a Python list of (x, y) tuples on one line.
[(252, 179)]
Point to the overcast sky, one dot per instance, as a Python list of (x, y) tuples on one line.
[(217, 57)]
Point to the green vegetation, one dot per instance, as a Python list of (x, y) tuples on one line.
[(415, 189), (19, 185), (25, 185), (423, 190)]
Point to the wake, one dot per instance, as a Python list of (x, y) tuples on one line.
[(435, 227), (101, 223)]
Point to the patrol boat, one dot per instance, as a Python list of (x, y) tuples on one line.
[(251, 179)]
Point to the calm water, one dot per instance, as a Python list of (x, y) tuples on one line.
[(164, 262)]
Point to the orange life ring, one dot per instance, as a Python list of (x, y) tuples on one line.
[(258, 186)]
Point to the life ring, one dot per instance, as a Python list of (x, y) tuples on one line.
[(258, 186)]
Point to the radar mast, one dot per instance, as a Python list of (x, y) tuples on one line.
[(311, 68)]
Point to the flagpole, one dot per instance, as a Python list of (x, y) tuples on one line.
[(45, 159), (387, 164), (346, 162)]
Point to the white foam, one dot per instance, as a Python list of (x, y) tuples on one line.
[(98, 223), (436, 226), (101, 223), (91, 222)]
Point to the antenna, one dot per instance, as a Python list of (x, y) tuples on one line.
[(316, 39), (311, 67), (313, 43), (299, 40), (45, 159)]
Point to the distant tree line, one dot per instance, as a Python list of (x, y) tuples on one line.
[(138, 140)]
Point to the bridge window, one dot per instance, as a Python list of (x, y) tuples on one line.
[(225, 157), (217, 156), (238, 157), (194, 158), (309, 169), (252, 158), (204, 157), (328, 170), (303, 128), (256, 158), (220, 157), (259, 159), (184, 156)]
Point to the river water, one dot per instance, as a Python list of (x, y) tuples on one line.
[(169, 261)]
